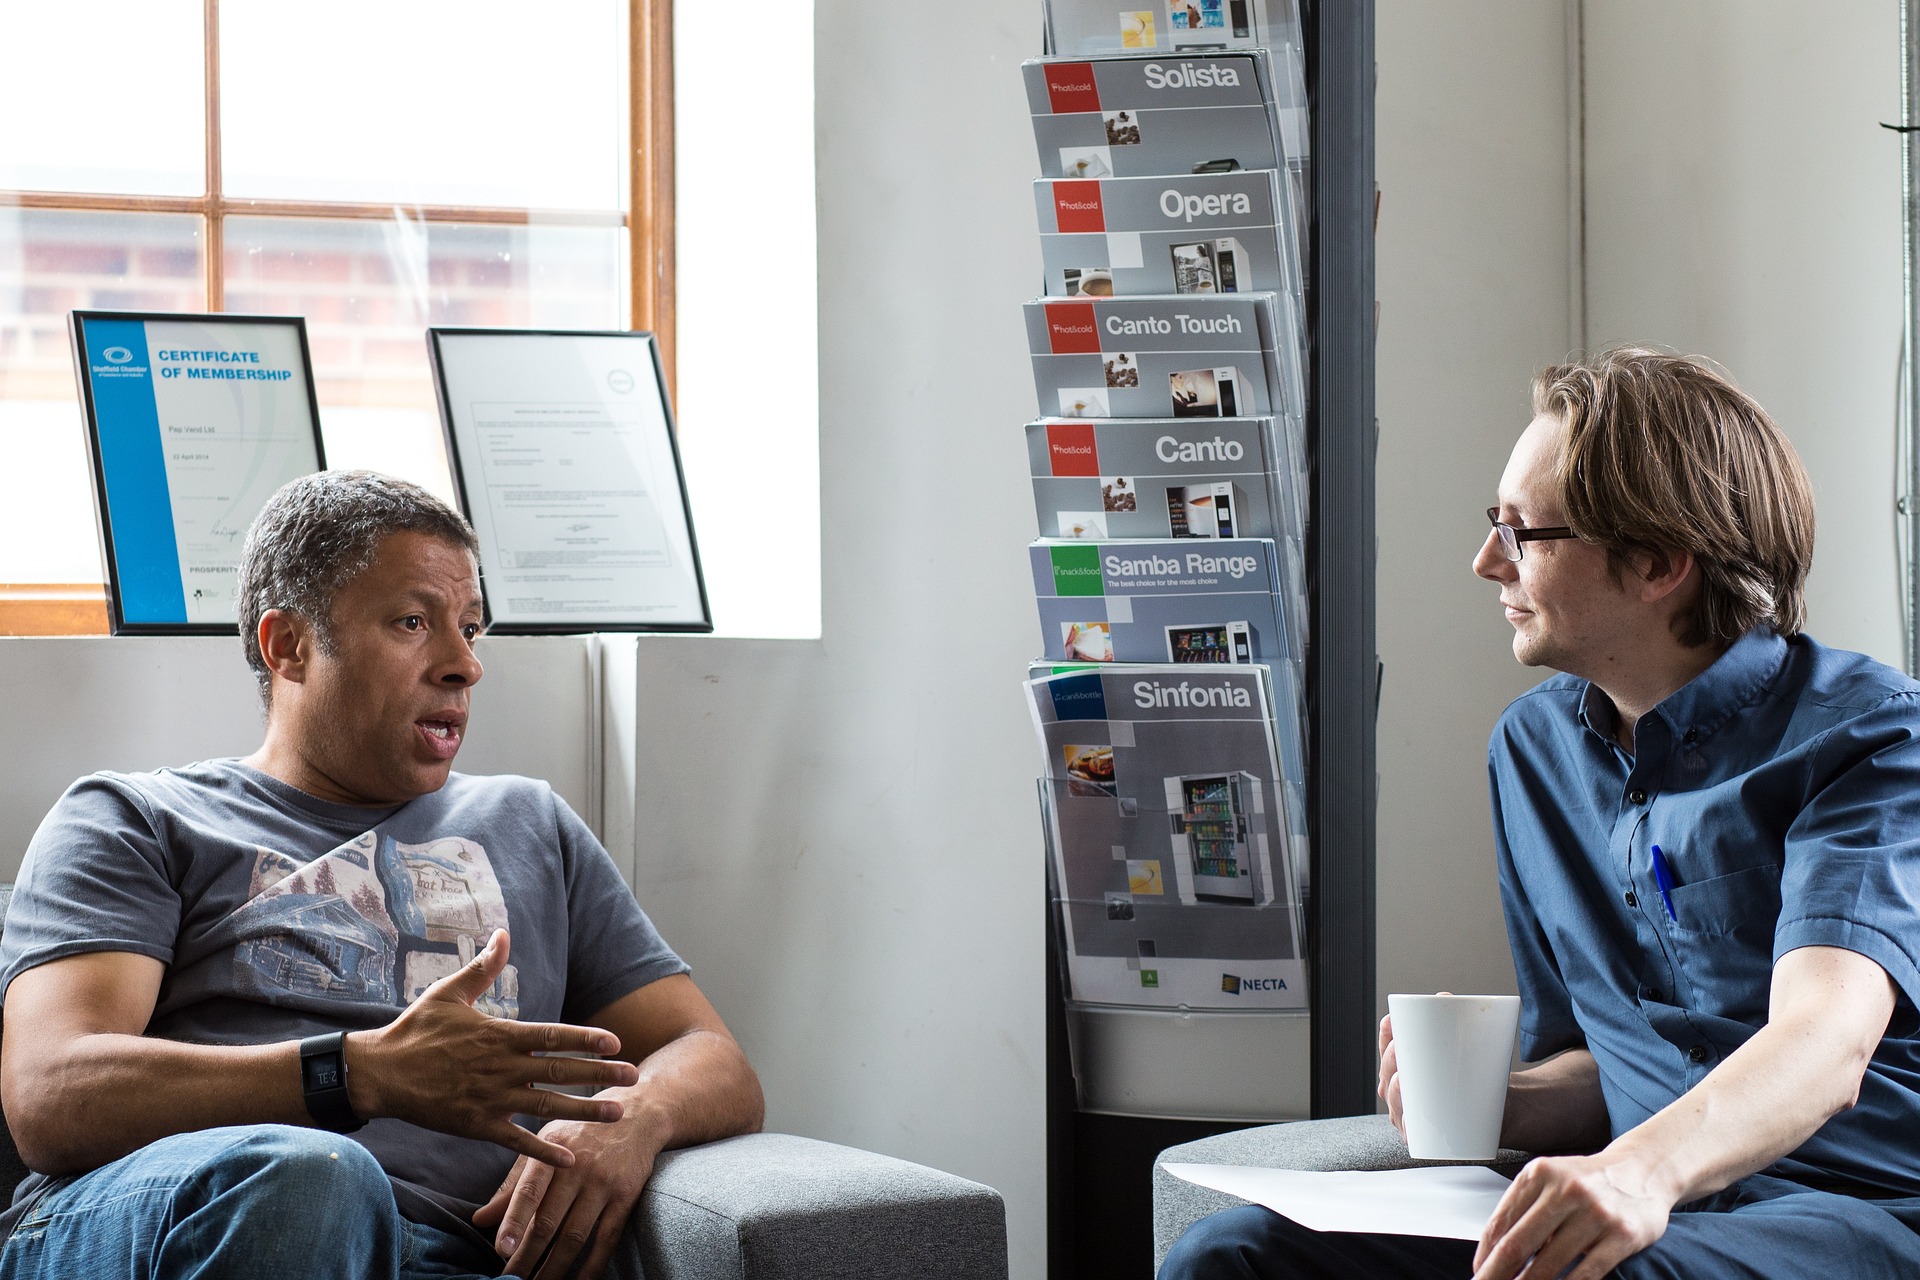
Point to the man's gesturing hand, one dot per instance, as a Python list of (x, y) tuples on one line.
[(1598, 1209), (443, 1065)]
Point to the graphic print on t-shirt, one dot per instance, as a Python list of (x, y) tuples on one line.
[(373, 920)]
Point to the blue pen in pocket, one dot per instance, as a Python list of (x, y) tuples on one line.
[(1664, 878)]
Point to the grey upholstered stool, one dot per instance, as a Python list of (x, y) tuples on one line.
[(1356, 1142), (772, 1206)]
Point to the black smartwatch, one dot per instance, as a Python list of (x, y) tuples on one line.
[(323, 1082)]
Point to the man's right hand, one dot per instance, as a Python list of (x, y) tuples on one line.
[(444, 1065)]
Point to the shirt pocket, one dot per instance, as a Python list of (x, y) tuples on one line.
[(1722, 930)]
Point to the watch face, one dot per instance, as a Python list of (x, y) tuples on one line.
[(321, 1071)]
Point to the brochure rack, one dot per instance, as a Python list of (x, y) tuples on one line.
[(1319, 102)]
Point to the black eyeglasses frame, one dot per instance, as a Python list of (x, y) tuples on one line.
[(1513, 541)]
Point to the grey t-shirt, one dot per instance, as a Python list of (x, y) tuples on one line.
[(280, 916)]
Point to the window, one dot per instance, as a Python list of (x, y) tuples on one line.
[(377, 168)]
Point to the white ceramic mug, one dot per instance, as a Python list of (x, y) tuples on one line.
[(1454, 1053)]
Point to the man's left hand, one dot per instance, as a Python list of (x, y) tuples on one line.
[(1595, 1211), (538, 1206)]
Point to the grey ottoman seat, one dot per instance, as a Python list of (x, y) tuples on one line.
[(1353, 1142), (776, 1207)]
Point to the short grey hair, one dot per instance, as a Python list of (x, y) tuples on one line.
[(318, 533)]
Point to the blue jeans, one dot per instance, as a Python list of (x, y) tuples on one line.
[(251, 1201), (1760, 1228)]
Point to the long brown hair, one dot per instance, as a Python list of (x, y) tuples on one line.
[(1664, 453)]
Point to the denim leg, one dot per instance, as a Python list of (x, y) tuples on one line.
[(433, 1254), (1765, 1228), (1254, 1243), (220, 1204)]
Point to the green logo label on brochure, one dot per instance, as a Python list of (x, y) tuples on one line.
[(1076, 571)]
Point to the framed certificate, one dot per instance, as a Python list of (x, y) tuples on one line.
[(564, 457), (192, 422)]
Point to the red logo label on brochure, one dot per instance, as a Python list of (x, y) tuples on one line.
[(1072, 328), (1071, 449), (1070, 87), (1076, 207)]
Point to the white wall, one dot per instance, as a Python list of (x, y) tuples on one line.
[(1473, 287), (1744, 203)]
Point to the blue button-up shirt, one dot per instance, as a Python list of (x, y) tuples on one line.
[(1783, 788)]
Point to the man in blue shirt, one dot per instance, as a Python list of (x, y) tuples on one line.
[(1708, 831)]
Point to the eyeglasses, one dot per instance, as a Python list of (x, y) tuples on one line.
[(1512, 538)]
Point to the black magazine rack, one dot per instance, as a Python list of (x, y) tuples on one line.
[(1099, 1167)]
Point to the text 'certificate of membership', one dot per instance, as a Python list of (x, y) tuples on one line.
[(193, 423), (564, 455)]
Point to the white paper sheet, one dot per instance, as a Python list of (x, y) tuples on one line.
[(1449, 1201)]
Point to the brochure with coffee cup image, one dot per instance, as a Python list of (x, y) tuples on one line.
[(1126, 117), (1166, 821), (1184, 600), (1153, 478), (1078, 28), (1164, 357), (1196, 234), (1287, 712)]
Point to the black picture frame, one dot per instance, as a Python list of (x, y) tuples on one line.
[(77, 320), (444, 399)]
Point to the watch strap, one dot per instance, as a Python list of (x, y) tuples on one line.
[(323, 1082)]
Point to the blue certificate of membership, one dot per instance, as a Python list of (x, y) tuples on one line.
[(192, 423)]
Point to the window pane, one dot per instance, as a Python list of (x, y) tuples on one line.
[(370, 289), (103, 96), (51, 263), (462, 102)]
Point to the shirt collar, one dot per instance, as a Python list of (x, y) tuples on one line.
[(1708, 700)]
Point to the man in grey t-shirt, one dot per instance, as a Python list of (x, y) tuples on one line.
[(338, 932)]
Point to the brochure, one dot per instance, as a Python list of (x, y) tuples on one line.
[(1167, 356), (1167, 825), (1287, 713), (1125, 117), (1160, 600), (1207, 233), (1152, 478), (1119, 116), (1078, 28)]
